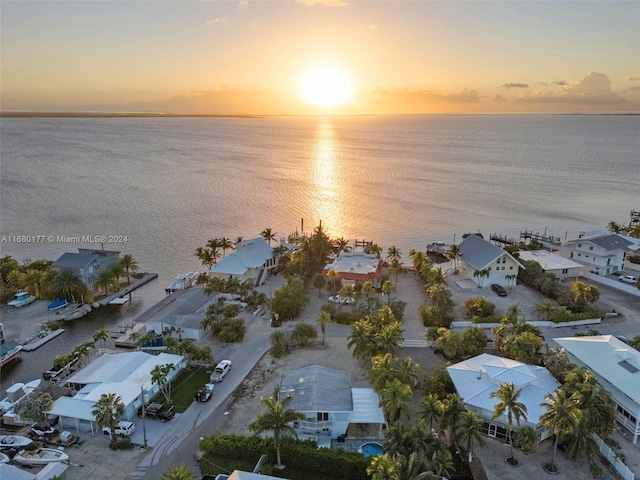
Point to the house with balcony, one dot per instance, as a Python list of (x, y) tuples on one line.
[(249, 263), (332, 407), (479, 255), (603, 254), (356, 267), (616, 365), (87, 263)]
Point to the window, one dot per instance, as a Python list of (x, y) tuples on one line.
[(511, 267), (590, 248), (504, 259), (565, 271), (322, 417), (579, 245)]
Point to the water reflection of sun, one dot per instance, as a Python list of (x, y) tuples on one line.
[(328, 179)]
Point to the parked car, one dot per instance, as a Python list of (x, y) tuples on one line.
[(159, 411), (123, 429), (499, 289), (342, 300), (628, 279), (204, 394), (221, 371)]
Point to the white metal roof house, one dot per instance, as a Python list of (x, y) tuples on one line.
[(356, 267), (329, 402), (183, 318), (87, 263), (603, 254), (617, 367), (127, 375), (477, 378), (552, 262), (477, 254), (250, 262)]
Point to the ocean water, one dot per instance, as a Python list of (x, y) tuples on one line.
[(167, 185)]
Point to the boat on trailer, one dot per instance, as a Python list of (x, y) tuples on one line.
[(14, 441), (22, 298), (57, 304), (41, 456)]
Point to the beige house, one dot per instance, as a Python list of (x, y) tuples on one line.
[(552, 263), (477, 254), (249, 263)]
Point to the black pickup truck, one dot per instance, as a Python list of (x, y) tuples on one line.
[(159, 411)]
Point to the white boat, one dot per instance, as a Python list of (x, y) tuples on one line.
[(9, 351), (4, 458), (41, 456), (119, 301), (182, 281), (22, 299), (13, 441)]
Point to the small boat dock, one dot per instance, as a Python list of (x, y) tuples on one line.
[(40, 339), (136, 283)]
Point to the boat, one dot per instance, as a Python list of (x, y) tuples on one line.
[(13, 441), (22, 298), (4, 458), (182, 281), (41, 456), (9, 351), (119, 301), (57, 304)]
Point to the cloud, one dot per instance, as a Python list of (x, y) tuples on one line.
[(369, 26), (561, 83), (499, 98), (592, 89), (218, 21), (632, 79), (515, 85), (323, 3), (424, 96)]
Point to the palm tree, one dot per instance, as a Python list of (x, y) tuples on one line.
[(348, 291), (276, 419), (393, 253), (323, 320), (383, 467), (507, 394), (411, 468), (442, 463), (67, 285), (342, 245), (388, 339), (361, 339), (431, 408), (106, 279), (268, 235), (237, 241), (481, 275), (332, 275), (562, 416), (33, 281), (395, 400), (614, 227), (319, 281), (108, 411), (101, 335), (511, 280), (453, 254), (387, 289), (160, 377), (545, 309), (396, 268), (368, 290), (469, 430), (130, 264), (374, 249), (398, 440), (178, 472), (225, 244)]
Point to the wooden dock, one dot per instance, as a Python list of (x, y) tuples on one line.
[(136, 283), (31, 346)]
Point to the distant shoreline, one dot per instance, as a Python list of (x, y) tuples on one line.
[(114, 115)]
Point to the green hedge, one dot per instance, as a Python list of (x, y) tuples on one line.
[(297, 454)]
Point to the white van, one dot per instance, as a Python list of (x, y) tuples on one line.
[(628, 279), (124, 429)]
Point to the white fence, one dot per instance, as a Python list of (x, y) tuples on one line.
[(613, 459)]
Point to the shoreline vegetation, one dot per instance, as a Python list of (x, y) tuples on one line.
[(117, 115)]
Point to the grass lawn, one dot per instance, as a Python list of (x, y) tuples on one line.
[(186, 385), (214, 464)]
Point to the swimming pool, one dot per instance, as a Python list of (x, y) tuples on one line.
[(371, 449)]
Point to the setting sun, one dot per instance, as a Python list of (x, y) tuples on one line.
[(326, 86)]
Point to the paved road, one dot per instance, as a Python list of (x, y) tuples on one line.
[(202, 419)]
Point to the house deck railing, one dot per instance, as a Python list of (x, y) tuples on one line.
[(314, 425)]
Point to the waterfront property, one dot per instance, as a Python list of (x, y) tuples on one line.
[(356, 267), (552, 263), (184, 317), (87, 263), (478, 255), (127, 375), (603, 254), (333, 409), (477, 378), (250, 263), (616, 365)]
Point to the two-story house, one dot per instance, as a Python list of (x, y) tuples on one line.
[(250, 262), (478, 255), (87, 263), (602, 254), (356, 267)]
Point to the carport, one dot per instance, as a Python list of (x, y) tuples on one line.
[(74, 413)]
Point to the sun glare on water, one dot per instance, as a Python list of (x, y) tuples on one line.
[(326, 86)]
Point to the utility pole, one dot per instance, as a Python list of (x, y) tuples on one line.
[(144, 426)]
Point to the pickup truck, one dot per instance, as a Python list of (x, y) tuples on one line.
[(204, 394), (221, 370), (158, 410)]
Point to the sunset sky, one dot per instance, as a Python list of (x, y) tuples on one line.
[(252, 57)]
